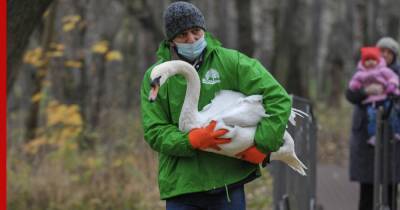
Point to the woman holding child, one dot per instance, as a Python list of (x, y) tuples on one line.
[(364, 92)]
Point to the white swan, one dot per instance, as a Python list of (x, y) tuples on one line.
[(232, 110)]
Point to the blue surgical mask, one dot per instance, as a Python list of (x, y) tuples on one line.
[(193, 50)]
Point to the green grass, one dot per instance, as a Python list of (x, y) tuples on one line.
[(333, 132)]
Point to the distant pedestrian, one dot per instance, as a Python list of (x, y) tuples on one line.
[(361, 153)]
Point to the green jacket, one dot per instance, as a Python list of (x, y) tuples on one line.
[(183, 169)]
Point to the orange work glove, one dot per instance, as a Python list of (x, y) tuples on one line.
[(252, 155), (204, 138)]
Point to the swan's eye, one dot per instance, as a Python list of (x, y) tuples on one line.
[(155, 82), (155, 86)]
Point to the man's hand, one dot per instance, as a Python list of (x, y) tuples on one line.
[(374, 89), (204, 138)]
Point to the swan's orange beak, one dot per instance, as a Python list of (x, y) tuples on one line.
[(155, 86)]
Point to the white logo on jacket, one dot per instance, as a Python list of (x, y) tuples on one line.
[(211, 77)]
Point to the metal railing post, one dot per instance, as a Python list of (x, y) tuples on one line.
[(385, 163), (292, 191), (377, 159)]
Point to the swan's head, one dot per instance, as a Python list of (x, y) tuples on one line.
[(158, 76)]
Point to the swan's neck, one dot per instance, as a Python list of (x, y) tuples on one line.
[(188, 118)]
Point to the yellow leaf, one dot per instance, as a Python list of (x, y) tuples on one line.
[(73, 64), (53, 119), (67, 115), (34, 57), (57, 47), (74, 119), (36, 97), (33, 146), (70, 22), (69, 26), (54, 54), (55, 114), (74, 116), (64, 125), (38, 63), (100, 47), (114, 55), (71, 18)]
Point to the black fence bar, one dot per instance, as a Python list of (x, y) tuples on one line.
[(386, 160), (291, 190), (384, 163), (377, 159)]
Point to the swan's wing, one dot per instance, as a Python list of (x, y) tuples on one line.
[(247, 112), (224, 100), (294, 113), (296, 165), (300, 113), (287, 155), (234, 108)]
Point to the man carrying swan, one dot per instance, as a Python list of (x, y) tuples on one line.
[(188, 177)]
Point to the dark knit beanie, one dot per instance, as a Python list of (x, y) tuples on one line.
[(389, 43), (180, 16)]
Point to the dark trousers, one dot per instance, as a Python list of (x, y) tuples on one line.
[(367, 196), (210, 200)]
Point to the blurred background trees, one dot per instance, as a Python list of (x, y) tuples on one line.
[(75, 69)]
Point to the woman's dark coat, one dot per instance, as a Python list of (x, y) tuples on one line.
[(361, 153)]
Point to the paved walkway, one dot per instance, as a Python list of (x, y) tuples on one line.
[(334, 190)]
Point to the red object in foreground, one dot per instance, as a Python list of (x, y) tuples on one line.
[(3, 102)]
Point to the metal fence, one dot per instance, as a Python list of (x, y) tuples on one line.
[(291, 190)]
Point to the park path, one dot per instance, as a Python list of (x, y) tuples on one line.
[(334, 190)]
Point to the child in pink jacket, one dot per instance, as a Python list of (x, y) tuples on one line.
[(372, 70)]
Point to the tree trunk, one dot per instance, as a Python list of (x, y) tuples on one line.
[(22, 16), (336, 73), (291, 58), (245, 27), (393, 26), (40, 74), (145, 15)]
